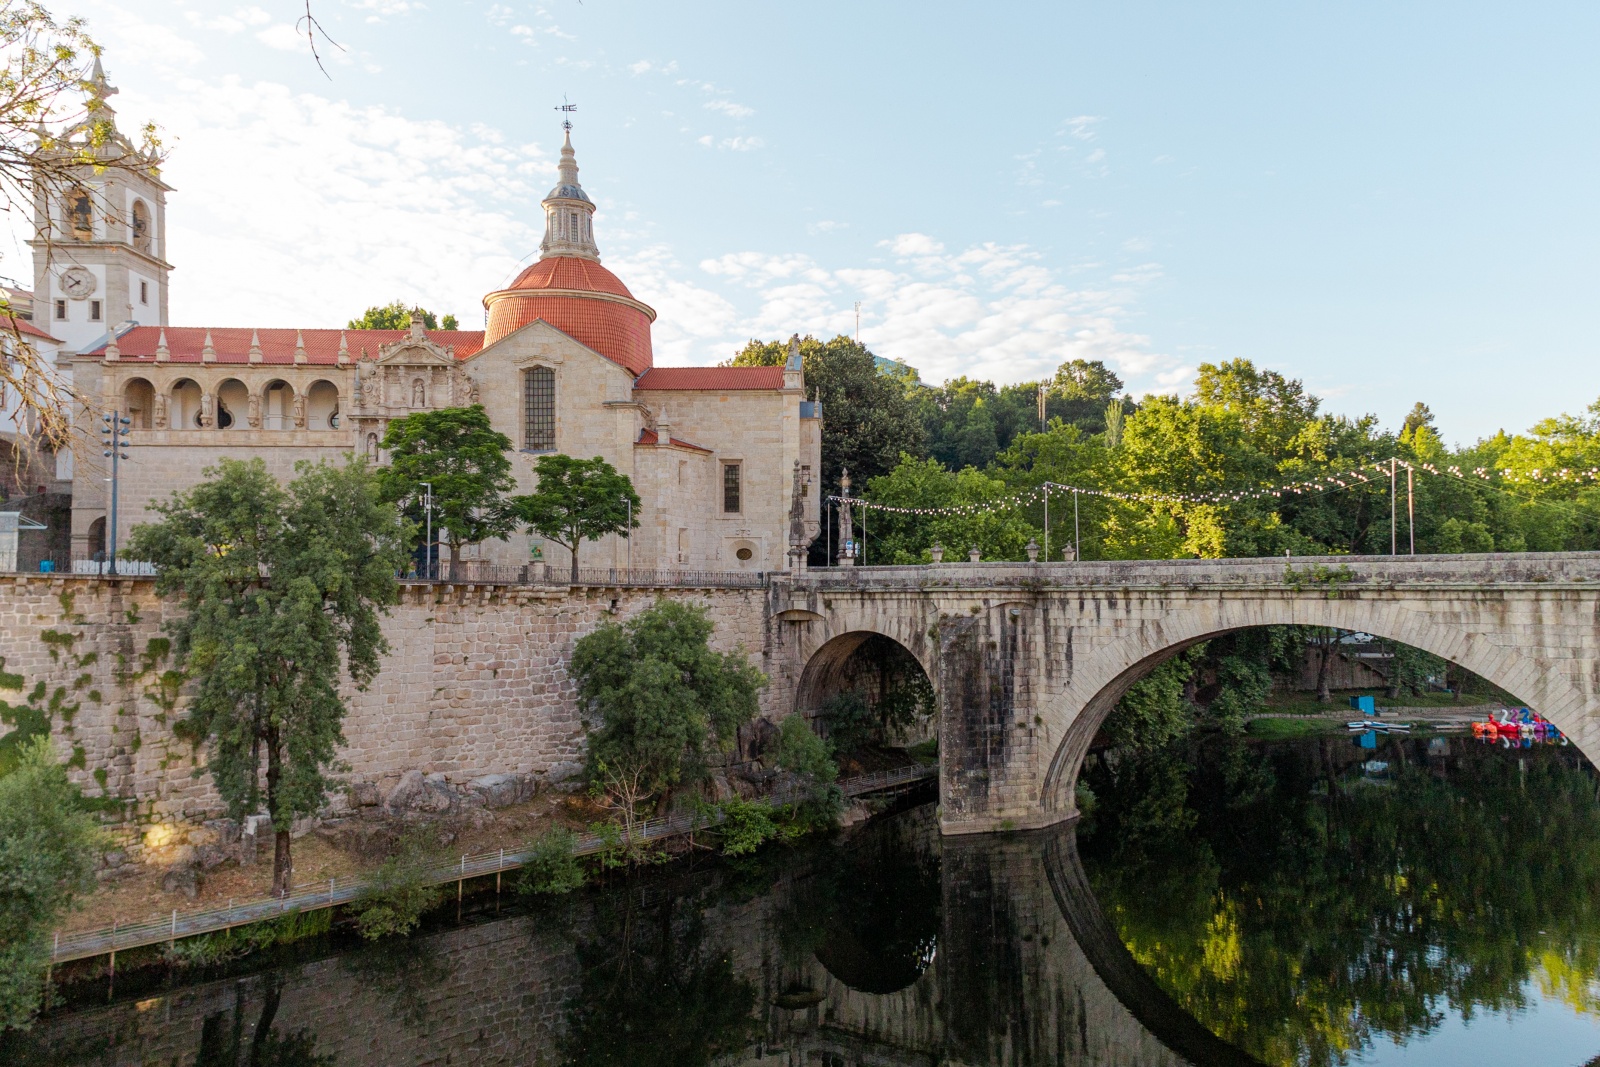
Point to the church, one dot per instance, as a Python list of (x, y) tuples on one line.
[(718, 455)]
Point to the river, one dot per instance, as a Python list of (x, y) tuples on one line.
[(1220, 903)]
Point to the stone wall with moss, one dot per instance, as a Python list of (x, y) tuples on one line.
[(475, 684)]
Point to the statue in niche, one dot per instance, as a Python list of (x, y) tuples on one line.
[(299, 408), (253, 415), (161, 412), (419, 394), (208, 406), (472, 392), (459, 390)]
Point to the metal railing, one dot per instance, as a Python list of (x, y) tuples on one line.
[(311, 897), (478, 572)]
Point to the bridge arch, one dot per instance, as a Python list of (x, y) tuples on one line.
[(1100, 680)]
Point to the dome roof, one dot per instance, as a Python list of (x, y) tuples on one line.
[(583, 300), (569, 192), (570, 272)]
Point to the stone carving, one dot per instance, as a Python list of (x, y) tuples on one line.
[(299, 408), (419, 394), (208, 408), (161, 412), (253, 416), (360, 392)]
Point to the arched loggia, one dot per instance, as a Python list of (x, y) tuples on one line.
[(1116, 667)]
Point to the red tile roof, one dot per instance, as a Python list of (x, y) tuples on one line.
[(711, 379), (648, 436), (570, 272), (26, 328), (232, 344)]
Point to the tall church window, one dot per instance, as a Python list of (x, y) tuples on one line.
[(80, 214), (732, 488), (538, 409), (141, 226)]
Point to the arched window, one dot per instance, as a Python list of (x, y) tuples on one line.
[(322, 406), (539, 409), (80, 214), (233, 405), (141, 226), (139, 403)]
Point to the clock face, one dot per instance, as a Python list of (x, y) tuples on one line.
[(78, 283)]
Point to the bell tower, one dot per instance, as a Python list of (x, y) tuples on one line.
[(568, 212), (99, 244)]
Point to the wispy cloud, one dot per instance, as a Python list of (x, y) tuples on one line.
[(729, 108)]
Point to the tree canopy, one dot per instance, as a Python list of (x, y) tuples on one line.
[(578, 500), (396, 315), (281, 589), (660, 700), (460, 453)]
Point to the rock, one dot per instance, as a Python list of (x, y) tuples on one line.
[(501, 790), (338, 804), (759, 740), (400, 798), (185, 880), (365, 794), (228, 830), (210, 856), (203, 835), (369, 840), (563, 772), (177, 856), (854, 815), (720, 789), (437, 778)]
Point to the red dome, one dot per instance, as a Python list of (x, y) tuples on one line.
[(569, 272), (583, 300)]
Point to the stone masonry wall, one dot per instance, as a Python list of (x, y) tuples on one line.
[(475, 682)]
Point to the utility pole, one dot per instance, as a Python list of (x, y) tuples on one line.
[(1411, 512), (1077, 539), (1394, 547), (427, 518), (113, 431), (1047, 522)]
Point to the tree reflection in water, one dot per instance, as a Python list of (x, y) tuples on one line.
[(1302, 908)]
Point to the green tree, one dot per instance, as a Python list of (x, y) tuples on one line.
[(894, 537), (275, 583), (48, 847), (460, 453), (660, 700), (395, 315), (868, 420), (578, 500)]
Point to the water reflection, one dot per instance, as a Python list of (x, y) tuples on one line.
[(1289, 899), (1315, 900)]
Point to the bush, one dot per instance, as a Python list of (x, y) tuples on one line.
[(851, 721), (553, 865), (746, 826), (48, 846), (398, 894), (225, 946), (802, 752)]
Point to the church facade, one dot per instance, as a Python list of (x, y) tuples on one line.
[(718, 455)]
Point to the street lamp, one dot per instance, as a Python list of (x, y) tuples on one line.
[(113, 432), (427, 518)]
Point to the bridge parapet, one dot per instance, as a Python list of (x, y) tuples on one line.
[(1501, 568)]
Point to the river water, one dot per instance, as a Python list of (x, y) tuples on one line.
[(1221, 903)]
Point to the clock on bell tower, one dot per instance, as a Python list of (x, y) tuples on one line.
[(99, 246)]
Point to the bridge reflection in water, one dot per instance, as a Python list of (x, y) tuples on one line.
[(894, 947)]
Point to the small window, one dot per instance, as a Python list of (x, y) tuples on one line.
[(744, 555), (61, 310), (538, 409), (144, 292), (94, 311), (731, 489)]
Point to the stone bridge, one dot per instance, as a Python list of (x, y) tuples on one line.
[(1028, 659)]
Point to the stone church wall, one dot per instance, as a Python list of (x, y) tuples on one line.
[(474, 684)]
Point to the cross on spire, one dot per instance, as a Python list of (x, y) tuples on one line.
[(567, 110)]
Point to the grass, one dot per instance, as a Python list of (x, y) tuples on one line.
[(1286, 729)]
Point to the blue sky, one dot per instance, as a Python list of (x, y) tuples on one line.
[(1393, 202)]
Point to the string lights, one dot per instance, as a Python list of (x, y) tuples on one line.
[(1321, 484)]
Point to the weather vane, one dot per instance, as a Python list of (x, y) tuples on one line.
[(566, 123)]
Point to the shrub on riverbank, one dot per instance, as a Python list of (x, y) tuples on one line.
[(236, 942), (553, 865), (398, 894)]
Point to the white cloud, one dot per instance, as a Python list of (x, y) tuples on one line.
[(282, 36), (826, 226), (499, 15), (729, 108), (1082, 127), (732, 144), (913, 244), (386, 8), (641, 67)]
